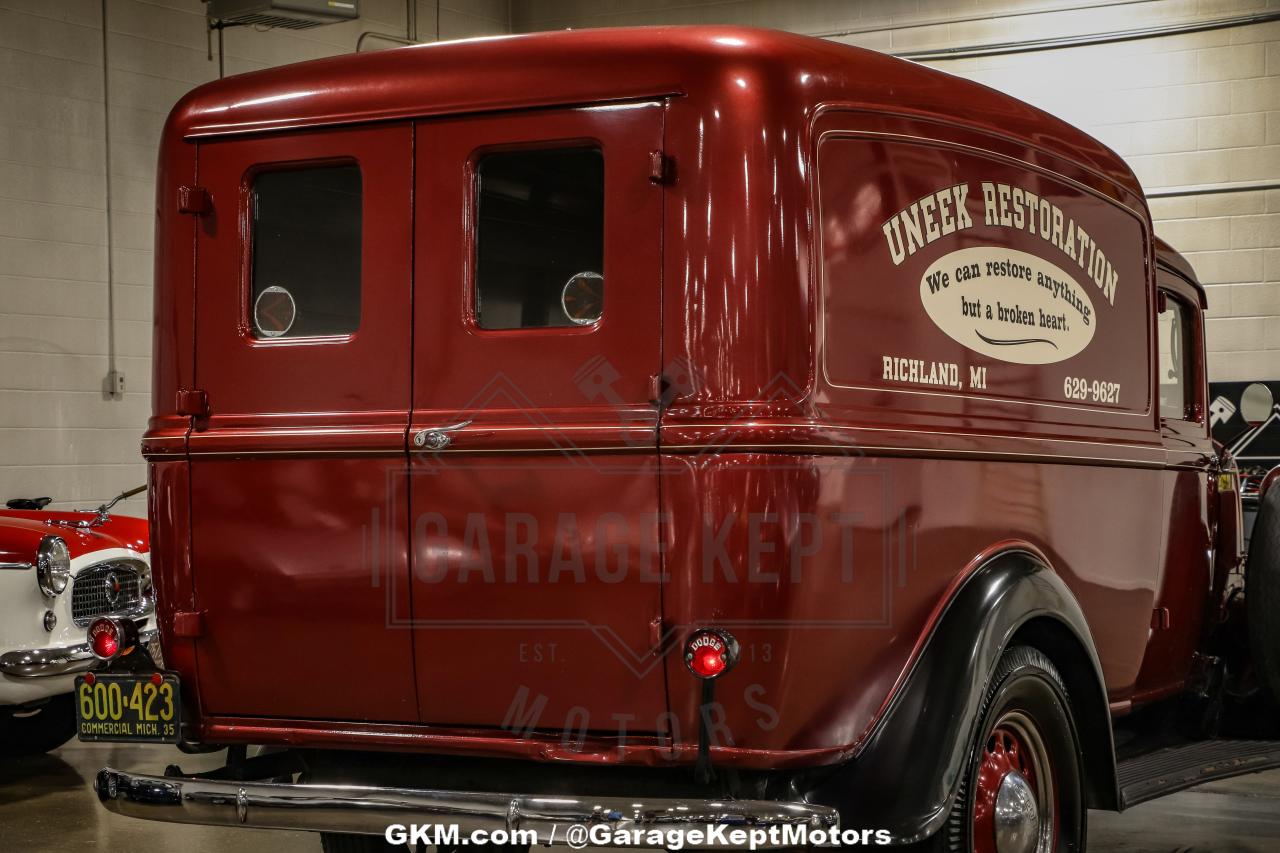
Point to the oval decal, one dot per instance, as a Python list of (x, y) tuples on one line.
[(1009, 305)]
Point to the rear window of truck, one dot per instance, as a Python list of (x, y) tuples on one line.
[(539, 238), (306, 238)]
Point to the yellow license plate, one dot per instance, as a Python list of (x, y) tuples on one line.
[(128, 708)]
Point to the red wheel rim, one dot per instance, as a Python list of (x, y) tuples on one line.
[(1014, 748)]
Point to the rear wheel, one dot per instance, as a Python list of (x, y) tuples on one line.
[(1022, 789), (1262, 592), (40, 729)]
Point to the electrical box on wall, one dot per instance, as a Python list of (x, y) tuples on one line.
[(285, 14)]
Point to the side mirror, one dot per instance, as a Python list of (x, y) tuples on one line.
[(1256, 404)]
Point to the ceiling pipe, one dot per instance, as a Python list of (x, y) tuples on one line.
[(966, 19), (1213, 189), (383, 36), (1060, 42), (110, 389)]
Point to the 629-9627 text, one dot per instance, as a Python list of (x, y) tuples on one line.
[(1075, 388)]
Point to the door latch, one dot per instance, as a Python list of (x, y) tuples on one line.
[(438, 438)]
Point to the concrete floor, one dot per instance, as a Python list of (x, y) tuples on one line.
[(46, 807)]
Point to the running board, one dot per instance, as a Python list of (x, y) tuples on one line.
[(1165, 771)]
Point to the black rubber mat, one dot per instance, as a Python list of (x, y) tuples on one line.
[(1174, 768)]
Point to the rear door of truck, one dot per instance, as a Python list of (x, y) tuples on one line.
[(302, 346), (533, 495)]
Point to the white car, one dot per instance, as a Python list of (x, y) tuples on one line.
[(58, 572)]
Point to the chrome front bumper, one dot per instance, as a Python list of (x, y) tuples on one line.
[(369, 811), (39, 663)]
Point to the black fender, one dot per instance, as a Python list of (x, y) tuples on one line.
[(905, 777)]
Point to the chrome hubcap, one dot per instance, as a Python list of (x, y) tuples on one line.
[(1015, 792), (1016, 818)]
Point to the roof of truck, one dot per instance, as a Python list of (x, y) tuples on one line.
[(1176, 263), (741, 67)]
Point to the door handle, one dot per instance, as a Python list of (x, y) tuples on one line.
[(438, 438)]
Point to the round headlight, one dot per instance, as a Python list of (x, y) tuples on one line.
[(53, 565)]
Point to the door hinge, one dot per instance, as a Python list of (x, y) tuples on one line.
[(657, 636), (192, 402), (1161, 619), (188, 624), (660, 391), (195, 201), (662, 169)]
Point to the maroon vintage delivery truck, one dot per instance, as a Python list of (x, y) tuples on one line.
[(670, 428)]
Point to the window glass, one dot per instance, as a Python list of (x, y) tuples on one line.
[(306, 252), (540, 238), (1173, 365)]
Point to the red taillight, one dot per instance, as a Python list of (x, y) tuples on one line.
[(104, 638), (707, 661), (110, 638), (710, 653)]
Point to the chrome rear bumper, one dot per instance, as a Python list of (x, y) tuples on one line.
[(368, 811)]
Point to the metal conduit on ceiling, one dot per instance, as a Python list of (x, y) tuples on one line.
[(1115, 36), (1085, 40)]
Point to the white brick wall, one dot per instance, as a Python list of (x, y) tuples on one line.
[(58, 435), (1185, 109)]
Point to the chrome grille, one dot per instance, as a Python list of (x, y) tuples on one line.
[(109, 589)]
